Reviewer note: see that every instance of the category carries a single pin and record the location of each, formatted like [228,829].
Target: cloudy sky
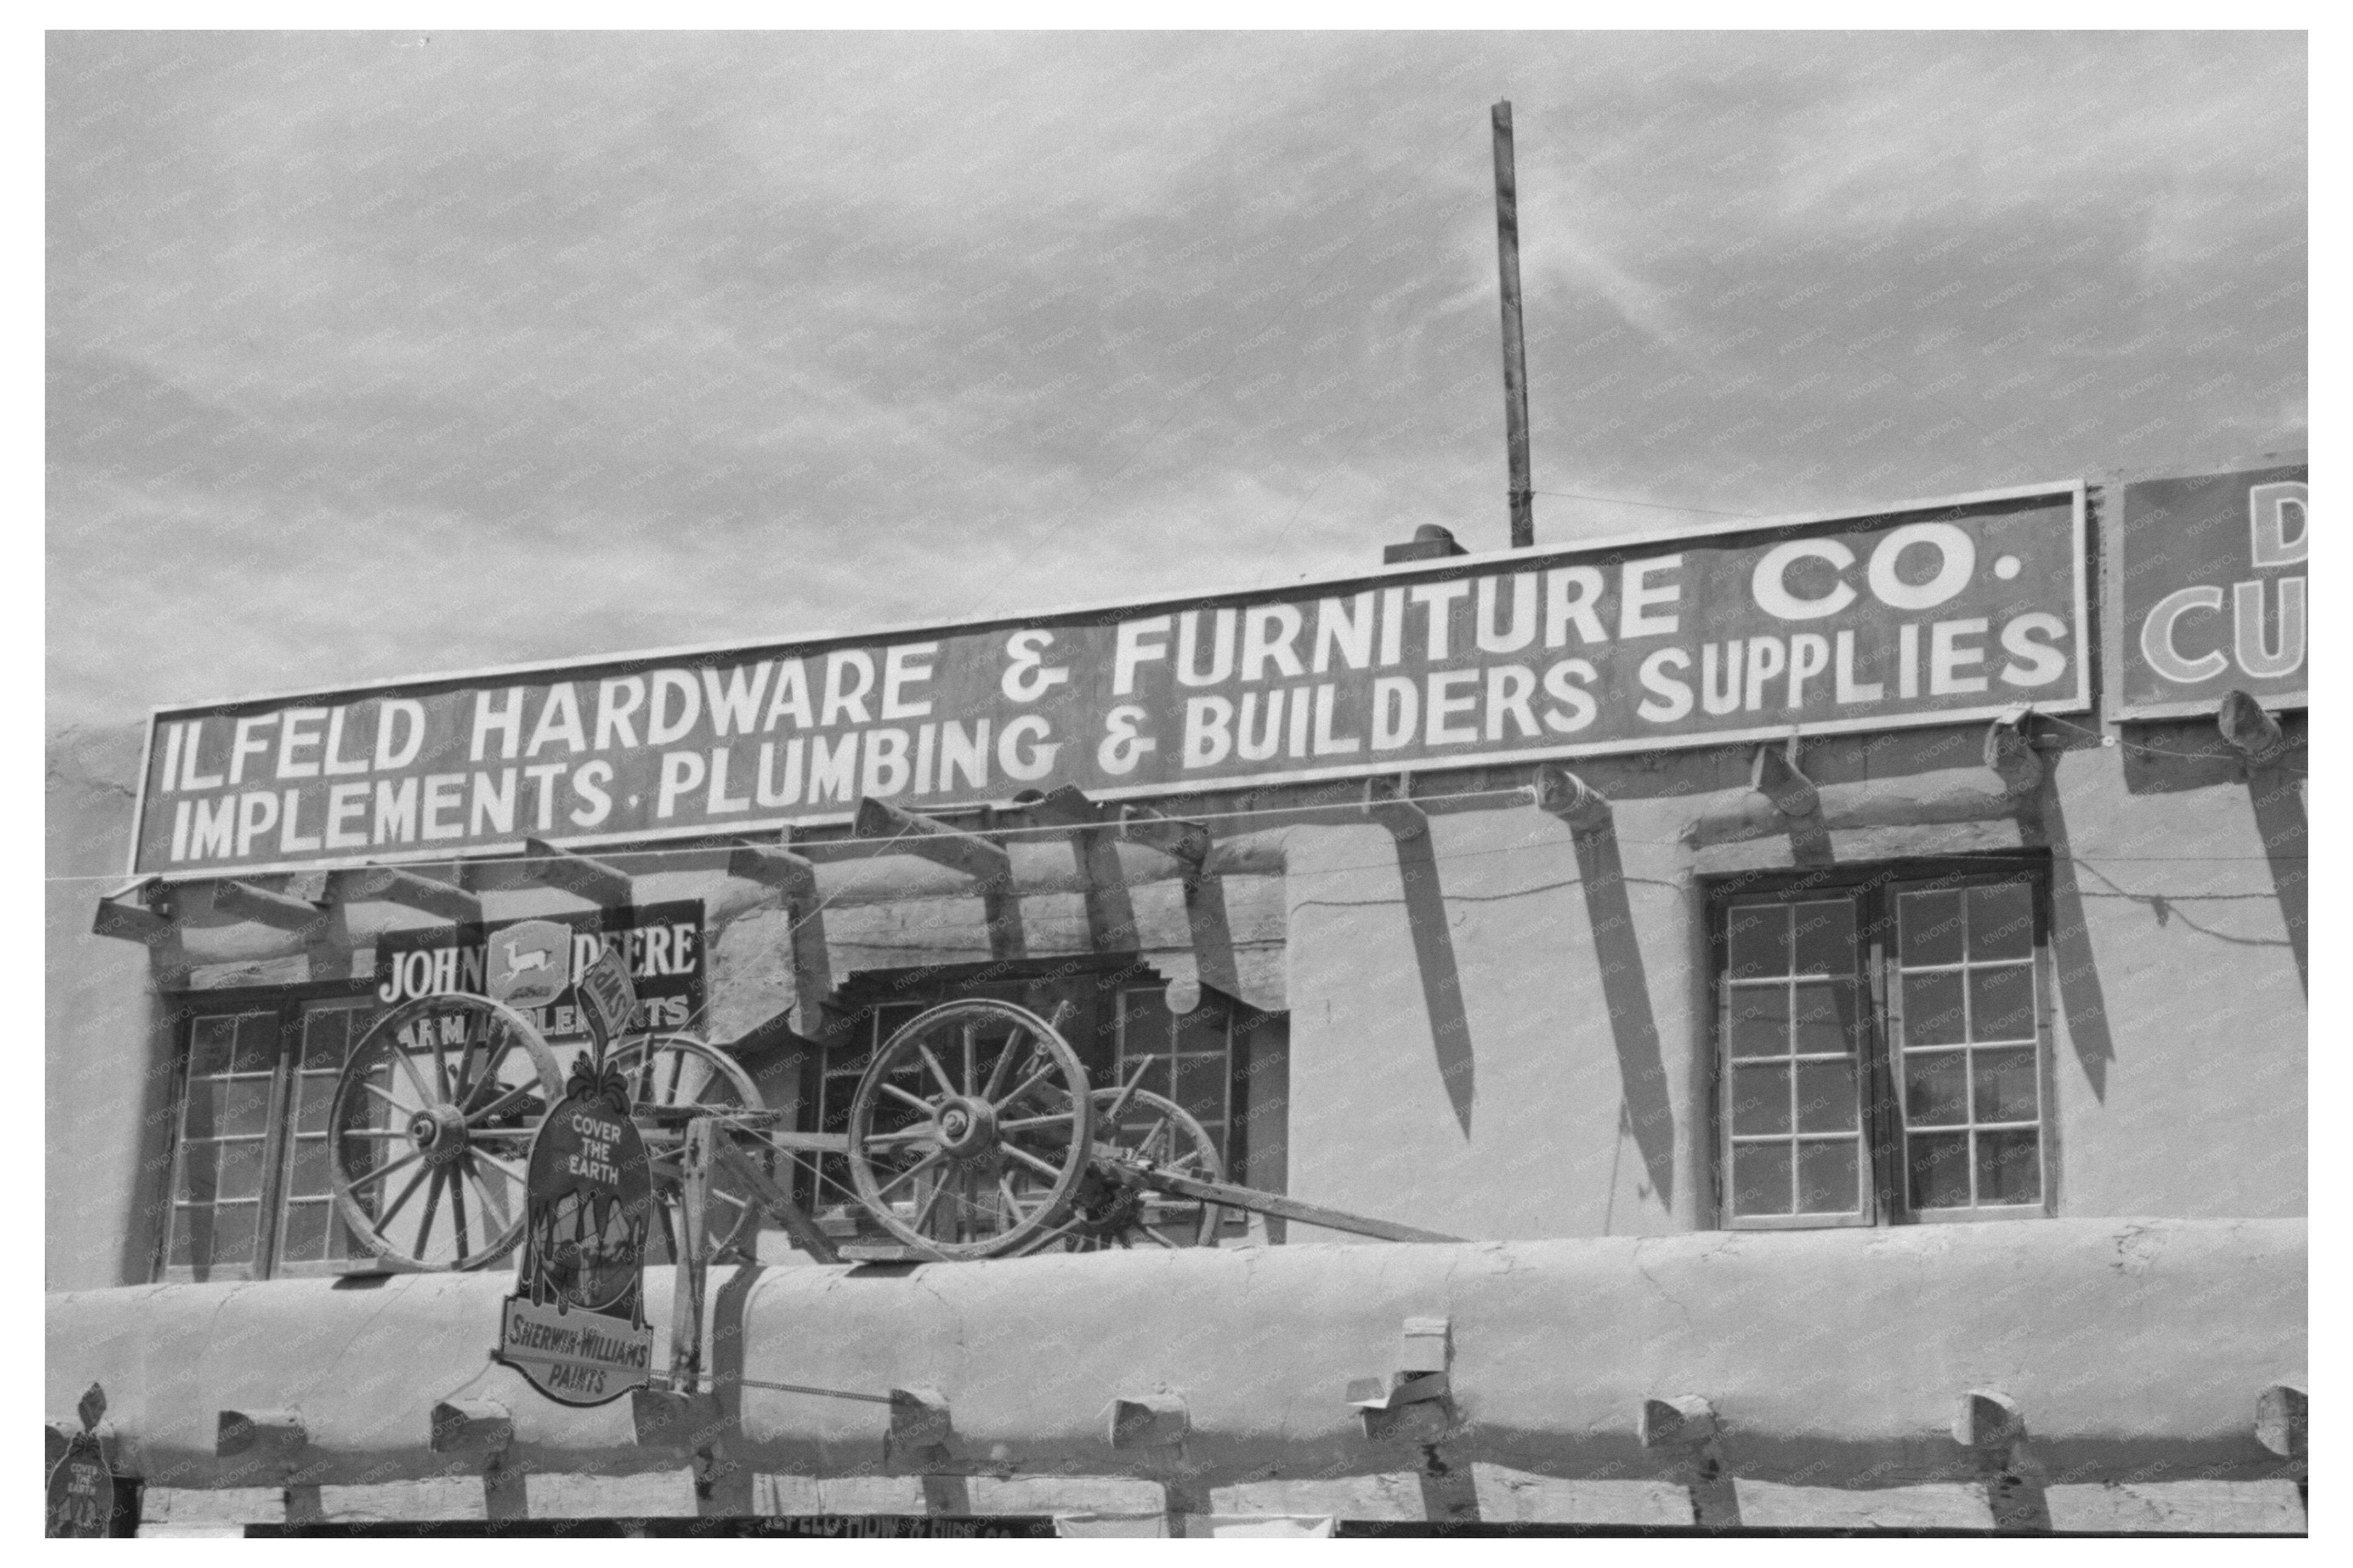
[370,354]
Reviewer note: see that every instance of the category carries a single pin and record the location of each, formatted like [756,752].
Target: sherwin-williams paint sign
[1929,614]
[2210,592]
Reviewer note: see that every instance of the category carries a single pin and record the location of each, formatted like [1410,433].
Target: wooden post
[693,1256]
[1515,351]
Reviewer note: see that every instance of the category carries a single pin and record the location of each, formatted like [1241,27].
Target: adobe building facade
[1836,975]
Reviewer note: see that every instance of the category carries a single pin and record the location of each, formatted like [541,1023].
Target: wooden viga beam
[1562,794]
[390,885]
[2247,729]
[141,912]
[246,902]
[775,866]
[1776,776]
[1180,840]
[553,867]
[894,829]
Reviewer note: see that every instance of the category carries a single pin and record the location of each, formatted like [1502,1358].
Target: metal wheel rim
[458,1099]
[1176,1140]
[637,1054]
[1017,1081]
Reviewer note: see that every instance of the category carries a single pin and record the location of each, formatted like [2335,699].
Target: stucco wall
[1831,1358]
[1498,1029]
[105,1070]
[1500,1033]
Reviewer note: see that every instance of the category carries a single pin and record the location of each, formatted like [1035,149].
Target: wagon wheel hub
[966,1127]
[440,1133]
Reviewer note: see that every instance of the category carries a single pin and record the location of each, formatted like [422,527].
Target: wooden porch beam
[1178,839]
[906,832]
[774,866]
[246,902]
[554,867]
[390,885]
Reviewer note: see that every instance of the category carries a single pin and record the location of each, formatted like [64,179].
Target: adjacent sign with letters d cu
[2208,591]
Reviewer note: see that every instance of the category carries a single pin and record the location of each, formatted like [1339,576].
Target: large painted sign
[2206,578]
[546,980]
[1935,612]
[576,1326]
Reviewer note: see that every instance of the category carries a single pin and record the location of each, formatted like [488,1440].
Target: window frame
[288,1005]
[1103,987]
[1873,892]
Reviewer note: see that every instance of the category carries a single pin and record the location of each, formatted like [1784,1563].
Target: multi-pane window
[1186,1058]
[308,1229]
[227,1114]
[251,1193]
[1968,1038]
[1795,1104]
[1882,1049]
[1119,1024]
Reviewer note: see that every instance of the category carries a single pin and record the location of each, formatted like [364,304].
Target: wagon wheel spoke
[1005,1062]
[482,1156]
[387,1168]
[933,1158]
[377,1134]
[424,1094]
[939,1073]
[1032,1081]
[514,1096]
[432,1027]
[1016,1152]
[385,1095]
[466,1041]
[432,1202]
[1028,1123]
[923,1105]
[385,1219]
[1012,1204]
[971,1056]
[1110,1114]
[456,1182]
[930,1201]
[488,1083]
[906,1135]
[494,1211]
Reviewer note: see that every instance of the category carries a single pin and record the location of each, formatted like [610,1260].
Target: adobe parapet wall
[2133,1349]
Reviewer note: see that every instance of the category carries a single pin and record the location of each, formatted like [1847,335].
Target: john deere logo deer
[576,1326]
[530,964]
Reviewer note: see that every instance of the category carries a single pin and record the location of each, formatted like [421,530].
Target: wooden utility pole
[1515,351]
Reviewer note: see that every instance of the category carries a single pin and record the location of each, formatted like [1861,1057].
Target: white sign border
[2075,491]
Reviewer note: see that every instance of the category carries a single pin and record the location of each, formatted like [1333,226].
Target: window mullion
[1882,1029]
[276,1152]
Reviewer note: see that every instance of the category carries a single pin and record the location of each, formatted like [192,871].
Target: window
[1222,1062]
[1882,1048]
[251,1195]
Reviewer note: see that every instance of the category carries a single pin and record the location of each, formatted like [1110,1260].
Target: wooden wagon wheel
[439,1103]
[669,1075]
[1138,1129]
[971,1130]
